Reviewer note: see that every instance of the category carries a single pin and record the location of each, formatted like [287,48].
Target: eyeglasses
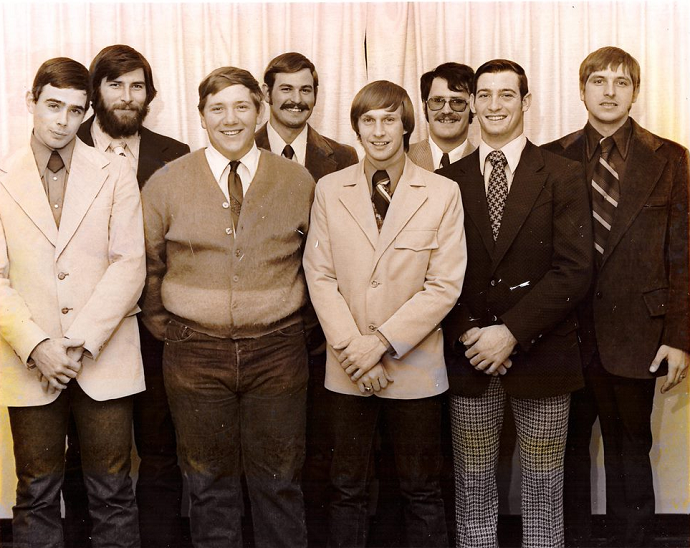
[437,103]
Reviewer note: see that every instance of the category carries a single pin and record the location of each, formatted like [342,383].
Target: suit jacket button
[599,294]
[494,318]
[374,283]
[65,310]
[372,327]
[62,276]
[493,283]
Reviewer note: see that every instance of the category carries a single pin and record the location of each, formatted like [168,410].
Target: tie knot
[606,146]
[234,165]
[288,152]
[379,176]
[445,159]
[55,162]
[497,158]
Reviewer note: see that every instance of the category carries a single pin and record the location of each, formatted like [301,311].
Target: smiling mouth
[496,117]
[379,143]
[231,132]
[447,120]
[608,104]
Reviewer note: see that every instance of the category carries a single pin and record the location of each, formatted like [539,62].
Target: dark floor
[673,531]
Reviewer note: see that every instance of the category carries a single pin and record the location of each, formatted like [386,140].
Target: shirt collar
[299,145]
[454,155]
[512,152]
[42,154]
[102,141]
[394,170]
[217,162]
[621,139]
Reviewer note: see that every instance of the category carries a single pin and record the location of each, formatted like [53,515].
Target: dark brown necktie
[445,160]
[55,163]
[235,192]
[288,152]
[380,195]
[605,196]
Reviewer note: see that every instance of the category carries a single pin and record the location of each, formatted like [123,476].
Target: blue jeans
[105,431]
[414,427]
[239,405]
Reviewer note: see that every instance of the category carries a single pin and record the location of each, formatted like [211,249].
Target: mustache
[446,116]
[291,104]
[124,106]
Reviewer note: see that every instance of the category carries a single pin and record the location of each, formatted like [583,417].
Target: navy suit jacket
[639,297]
[530,279]
[155,150]
[323,156]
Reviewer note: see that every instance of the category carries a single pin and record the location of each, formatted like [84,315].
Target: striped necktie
[605,196]
[380,195]
[498,190]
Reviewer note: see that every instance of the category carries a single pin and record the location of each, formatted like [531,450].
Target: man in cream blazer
[382,276]
[72,267]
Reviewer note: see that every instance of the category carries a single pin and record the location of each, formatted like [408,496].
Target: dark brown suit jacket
[639,297]
[530,280]
[155,150]
[323,156]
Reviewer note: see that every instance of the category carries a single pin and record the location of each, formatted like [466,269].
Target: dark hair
[459,77]
[386,95]
[62,72]
[504,65]
[114,61]
[224,77]
[290,62]
[613,57]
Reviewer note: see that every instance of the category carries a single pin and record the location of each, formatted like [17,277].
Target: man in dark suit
[634,323]
[512,335]
[290,87]
[446,94]
[123,88]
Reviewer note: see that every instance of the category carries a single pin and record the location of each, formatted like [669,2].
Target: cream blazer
[81,281]
[402,281]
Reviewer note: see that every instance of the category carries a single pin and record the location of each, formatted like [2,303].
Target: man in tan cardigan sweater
[225,228]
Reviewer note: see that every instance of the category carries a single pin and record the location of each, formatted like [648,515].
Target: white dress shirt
[105,143]
[220,167]
[299,145]
[454,155]
[512,152]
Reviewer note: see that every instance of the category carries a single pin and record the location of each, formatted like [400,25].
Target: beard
[118,127]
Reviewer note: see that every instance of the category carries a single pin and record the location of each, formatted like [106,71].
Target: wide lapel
[409,195]
[528,182]
[473,194]
[261,138]
[356,198]
[319,158]
[150,156]
[23,183]
[641,176]
[86,177]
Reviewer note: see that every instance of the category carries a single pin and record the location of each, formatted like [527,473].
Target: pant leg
[38,435]
[577,486]
[353,423]
[625,409]
[105,436]
[542,428]
[159,483]
[476,430]
[200,375]
[415,428]
[77,522]
[273,389]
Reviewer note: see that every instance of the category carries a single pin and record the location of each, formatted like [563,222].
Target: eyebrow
[62,103]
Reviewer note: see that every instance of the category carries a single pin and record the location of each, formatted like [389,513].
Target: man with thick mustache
[290,88]
[446,94]
[122,82]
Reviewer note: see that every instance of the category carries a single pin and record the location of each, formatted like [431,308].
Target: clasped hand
[58,361]
[489,348]
[360,357]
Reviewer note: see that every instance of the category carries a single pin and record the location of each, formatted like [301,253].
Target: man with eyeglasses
[446,94]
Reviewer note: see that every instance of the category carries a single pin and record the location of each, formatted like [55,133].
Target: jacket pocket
[656,300]
[417,240]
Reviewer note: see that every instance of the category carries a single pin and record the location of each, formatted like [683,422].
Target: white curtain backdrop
[352,44]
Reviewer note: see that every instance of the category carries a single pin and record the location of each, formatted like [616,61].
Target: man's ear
[526,102]
[267,93]
[30,102]
[473,110]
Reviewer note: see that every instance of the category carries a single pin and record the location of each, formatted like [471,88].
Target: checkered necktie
[605,195]
[288,152]
[381,195]
[498,190]
[235,192]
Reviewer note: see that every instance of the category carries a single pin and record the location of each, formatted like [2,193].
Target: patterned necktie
[55,162]
[605,196]
[498,190]
[380,196]
[119,148]
[235,192]
[445,160]
[288,152]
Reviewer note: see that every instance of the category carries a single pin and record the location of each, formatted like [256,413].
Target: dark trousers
[624,407]
[105,430]
[414,427]
[239,406]
[159,483]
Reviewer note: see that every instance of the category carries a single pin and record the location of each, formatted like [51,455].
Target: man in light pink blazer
[382,275]
[72,267]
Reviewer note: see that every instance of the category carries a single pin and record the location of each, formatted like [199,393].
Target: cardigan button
[228,231]
[235,278]
[226,205]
